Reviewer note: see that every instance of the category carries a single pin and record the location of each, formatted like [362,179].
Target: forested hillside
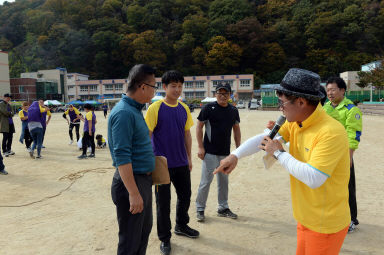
[106,38]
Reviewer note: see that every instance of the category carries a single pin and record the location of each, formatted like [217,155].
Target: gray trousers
[210,163]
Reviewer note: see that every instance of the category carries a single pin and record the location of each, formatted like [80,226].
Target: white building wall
[192,85]
[351,78]
[4,74]
[71,84]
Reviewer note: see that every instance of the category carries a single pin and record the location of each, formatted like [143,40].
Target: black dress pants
[352,195]
[181,179]
[77,128]
[27,138]
[7,139]
[134,229]
[88,140]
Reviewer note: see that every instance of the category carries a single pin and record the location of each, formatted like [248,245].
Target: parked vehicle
[240,105]
[254,104]
[191,107]
[61,109]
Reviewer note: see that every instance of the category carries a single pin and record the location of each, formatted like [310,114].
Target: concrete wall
[4,74]
[351,78]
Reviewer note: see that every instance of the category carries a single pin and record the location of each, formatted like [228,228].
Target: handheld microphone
[280,121]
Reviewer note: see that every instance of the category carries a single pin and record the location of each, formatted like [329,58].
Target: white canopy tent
[52,102]
[209,100]
[157,98]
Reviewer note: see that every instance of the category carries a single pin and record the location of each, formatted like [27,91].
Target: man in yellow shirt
[25,135]
[74,122]
[89,132]
[318,163]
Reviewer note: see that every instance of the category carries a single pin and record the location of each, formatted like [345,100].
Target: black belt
[148,173]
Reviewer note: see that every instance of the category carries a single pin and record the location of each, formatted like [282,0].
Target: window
[92,97]
[215,83]
[84,88]
[158,84]
[108,86]
[200,94]
[83,97]
[118,86]
[245,83]
[188,84]
[93,87]
[189,94]
[21,89]
[199,84]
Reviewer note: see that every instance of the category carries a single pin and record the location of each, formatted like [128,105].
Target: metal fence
[270,99]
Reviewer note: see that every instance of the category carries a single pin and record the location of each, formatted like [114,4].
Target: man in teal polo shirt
[132,155]
[351,118]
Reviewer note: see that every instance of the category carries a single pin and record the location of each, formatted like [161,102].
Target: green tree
[223,57]
[197,26]
[375,77]
[147,49]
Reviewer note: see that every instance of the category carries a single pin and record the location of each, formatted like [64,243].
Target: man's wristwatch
[277,153]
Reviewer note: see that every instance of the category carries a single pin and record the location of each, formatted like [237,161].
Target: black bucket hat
[301,83]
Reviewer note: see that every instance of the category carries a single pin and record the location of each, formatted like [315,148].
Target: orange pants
[313,243]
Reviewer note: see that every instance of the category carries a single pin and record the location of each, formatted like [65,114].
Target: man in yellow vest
[350,117]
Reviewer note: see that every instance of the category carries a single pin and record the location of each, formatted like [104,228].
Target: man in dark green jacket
[351,118]
[6,125]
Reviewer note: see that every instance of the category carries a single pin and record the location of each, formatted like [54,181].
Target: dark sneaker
[39,157]
[43,147]
[3,172]
[200,216]
[165,248]
[226,213]
[91,155]
[31,154]
[82,156]
[186,231]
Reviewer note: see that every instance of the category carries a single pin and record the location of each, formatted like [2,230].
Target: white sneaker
[70,142]
[6,154]
[352,227]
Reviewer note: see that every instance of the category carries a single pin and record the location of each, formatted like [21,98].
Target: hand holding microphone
[277,125]
[268,143]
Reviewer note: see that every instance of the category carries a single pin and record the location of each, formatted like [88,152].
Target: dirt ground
[62,205]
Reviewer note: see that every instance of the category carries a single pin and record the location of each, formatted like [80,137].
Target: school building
[195,87]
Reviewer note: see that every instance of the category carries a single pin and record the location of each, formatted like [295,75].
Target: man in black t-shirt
[219,118]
